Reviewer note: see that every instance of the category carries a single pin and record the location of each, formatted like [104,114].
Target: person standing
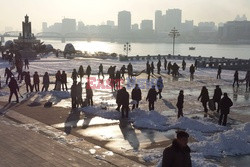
[225,105]
[46,82]
[196,64]
[159,67]
[130,70]
[89,94]
[236,78]
[219,72]
[36,81]
[13,88]
[7,74]
[136,96]
[180,104]
[125,103]
[148,70]
[58,82]
[100,71]
[88,71]
[73,94]
[192,70]
[169,67]
[178,154]
[74,75]
[81,72]
[165,63]
[79,100]
[26,63]
[64,81]
[204,99]
[183,65]
[151,98]
[119,99]
[123,68]
[160,86]
[152,67]
[28,82]
[217,96]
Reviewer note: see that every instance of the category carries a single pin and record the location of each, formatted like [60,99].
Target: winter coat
[88,70]
[159,64]
[46,79]
[58,77]
[217,95]
[27,78]
[125,98]
[74,75]
[136,94]
[89,92]
[81,71]
[175,156]
[119,97]
[204,96]
[8,72]
[36,79]
[236,76]
[180,101]
[73,91]
[64,78]
[13,85]
[79,90]
[160,83]
[225,105]
[152,95]
[192,69]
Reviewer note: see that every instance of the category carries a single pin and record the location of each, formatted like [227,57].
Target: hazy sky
[99,11]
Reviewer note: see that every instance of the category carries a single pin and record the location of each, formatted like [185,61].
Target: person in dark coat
[88,70]
[100,71]
[89,94]
[152,67]
[236,78]
[125,102]
[119,99]
[192,70]
[148,70]
[180,104]
[73,94]
[160,86]
[165,63]
[74,75]
[58,81]
[159,67]
[169,67]
[7,74]
[178,154]
[81,72]
[46,82]
[219,72]
[26,63]
[136,96]
[28,82]
[183,65]
[217,96]
[151,98]
[225,105]
[36,81]
[64,81]
[196,64]
[204,98]
[130,70]
[13,88]
[117,80]
[79,100]
[123,68]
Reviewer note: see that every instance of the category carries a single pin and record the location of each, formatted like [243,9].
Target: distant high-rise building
[188,26]
[68,25]
[172,19]
[124,22]
[206,27]
[80,26]
[110,23]
[158,21]
[147,25]
[135,27]
[44,26]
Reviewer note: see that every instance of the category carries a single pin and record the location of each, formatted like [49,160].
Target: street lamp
[127,48]
[174,34]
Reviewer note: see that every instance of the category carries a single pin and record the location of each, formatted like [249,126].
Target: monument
[27,42]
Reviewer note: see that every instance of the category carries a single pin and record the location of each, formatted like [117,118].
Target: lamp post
[127,48]
[174,34]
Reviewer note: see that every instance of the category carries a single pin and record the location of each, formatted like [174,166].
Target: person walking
[123,68]
[13,88]
[192,70]
[100,71]
[136,96]
[225,105]
[73,94]
[169,67]
[36,81]
[165,63]
[88,71]
[160,86]
[89,94]
[236,78]
[8,74]
[81,72]
[217,96]
[148,70]
[130,70]
[204,96]
[28,82]
[64,81]
[125,102]
[159,67]
[178,154]
[151,98]
[219,72]
[46,82]
[180,104]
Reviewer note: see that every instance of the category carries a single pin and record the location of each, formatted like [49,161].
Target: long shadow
[150,135]
[168,104]
[129,133]
[71,121]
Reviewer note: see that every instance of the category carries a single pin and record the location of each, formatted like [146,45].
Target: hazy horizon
[96,12]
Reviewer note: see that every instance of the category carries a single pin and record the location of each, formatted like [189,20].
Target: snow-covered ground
[210,138]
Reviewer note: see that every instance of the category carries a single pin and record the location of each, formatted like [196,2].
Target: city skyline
[94,13]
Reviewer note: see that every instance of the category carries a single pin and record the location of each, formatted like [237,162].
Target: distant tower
[158,21]
[26,28]
[124,22]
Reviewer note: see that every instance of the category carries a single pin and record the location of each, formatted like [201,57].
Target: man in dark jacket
[152,67]
[159,67]
[64,81]
[88,70]
[151,98]
[204,96]
[192,70]
[36,81]
[89,94]
[183,65]
[236,78]
[225,105]
[180,104]
[73,94]
[165,63]
[119,99]
[178,154]
[100,71]
[148,69]
[169,67]
[219,72]
[46,81]
[217,96]
[13,88]
[26,63]
[136,96]
[8,74]
[28,82]
[125,102]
